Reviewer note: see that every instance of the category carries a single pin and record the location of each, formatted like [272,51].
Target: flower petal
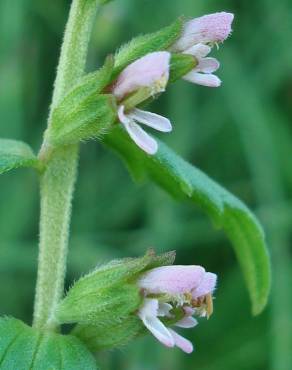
[137,134]
[189,311]
[144,72]
[159,331]
[181,342]
[208,80]
[198,50]
[207,285]
[149,308]
[208,28]
[187,322]
[150,119]
[148,314]
[207,65]
[163,309]
[172,279]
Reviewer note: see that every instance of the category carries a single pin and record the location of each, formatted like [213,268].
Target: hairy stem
[58,179]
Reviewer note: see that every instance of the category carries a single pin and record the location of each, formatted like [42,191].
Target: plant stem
[58,179]
[57,185]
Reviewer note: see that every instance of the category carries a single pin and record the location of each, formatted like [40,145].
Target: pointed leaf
[186,182]
[14,154]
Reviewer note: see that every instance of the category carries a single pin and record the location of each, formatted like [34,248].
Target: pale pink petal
[207,285]
[187,322]
[182,342]
[148,314]
[172,279]
[198,50]
[189,311]
[203,79]
[150,308]
[137,134]
[159,331]
[209,28]
[150,119]
[207,65]
[164,309]
[144,72]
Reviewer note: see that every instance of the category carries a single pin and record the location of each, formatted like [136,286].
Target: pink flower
[151,72]
[199,34]
[210,28]
[184,289]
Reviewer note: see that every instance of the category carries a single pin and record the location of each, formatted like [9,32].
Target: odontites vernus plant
[127,298]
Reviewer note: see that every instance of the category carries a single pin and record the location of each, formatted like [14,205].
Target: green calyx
[108,294]
[86,111]
[104,303]
[180,65]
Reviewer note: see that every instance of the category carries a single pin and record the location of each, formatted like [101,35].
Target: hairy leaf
[14,154]
[24,348]
[88,119]
[184,181]
[145,44]
[84,113]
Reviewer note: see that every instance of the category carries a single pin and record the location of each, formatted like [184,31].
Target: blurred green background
[239,134]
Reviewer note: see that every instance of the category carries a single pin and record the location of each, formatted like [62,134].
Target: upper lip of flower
[152,70]
[210,28]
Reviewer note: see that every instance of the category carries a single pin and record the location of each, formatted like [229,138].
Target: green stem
[58,179]
[57,185]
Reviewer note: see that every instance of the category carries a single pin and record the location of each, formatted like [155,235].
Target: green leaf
[24,348]
[145,44]
[91,83]
[14,154]
[180,65]
[88,119]
[186,182]
[84,113]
